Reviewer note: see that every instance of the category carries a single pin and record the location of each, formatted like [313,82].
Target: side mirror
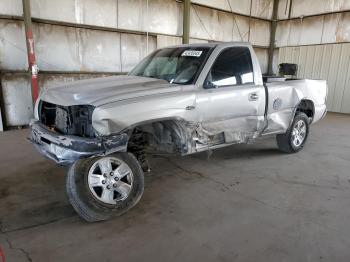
[209,85]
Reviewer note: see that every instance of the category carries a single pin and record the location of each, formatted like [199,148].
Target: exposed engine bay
[67,120]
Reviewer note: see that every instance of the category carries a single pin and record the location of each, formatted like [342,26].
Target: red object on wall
[33,67]
[2,255]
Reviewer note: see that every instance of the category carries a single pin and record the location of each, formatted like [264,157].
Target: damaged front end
[65,134]
[67,149]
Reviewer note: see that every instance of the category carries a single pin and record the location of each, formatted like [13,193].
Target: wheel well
[166,136]
[307,107]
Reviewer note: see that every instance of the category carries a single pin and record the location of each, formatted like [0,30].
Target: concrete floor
[246,203]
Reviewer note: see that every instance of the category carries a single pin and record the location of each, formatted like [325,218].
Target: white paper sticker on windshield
[194,53]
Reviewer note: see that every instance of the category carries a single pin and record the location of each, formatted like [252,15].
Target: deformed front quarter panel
[120,116]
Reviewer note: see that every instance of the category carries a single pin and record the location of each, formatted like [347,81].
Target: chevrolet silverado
[178,100]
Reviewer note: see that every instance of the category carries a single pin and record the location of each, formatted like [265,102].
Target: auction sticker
[194,53]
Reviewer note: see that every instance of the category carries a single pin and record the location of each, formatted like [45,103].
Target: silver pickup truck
[179,100]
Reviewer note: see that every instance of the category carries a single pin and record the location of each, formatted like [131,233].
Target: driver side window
[232,67]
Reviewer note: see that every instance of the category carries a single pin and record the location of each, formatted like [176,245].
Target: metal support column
[1,125]
[186,21]
[33,68]
[272,36]
[2,107]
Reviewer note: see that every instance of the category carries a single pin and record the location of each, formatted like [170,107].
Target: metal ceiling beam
[186,21]
[272,36]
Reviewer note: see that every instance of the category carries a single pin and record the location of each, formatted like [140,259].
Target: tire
[286,142]
[85,180]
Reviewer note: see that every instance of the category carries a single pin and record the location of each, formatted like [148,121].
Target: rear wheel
[295,137]
[100,188]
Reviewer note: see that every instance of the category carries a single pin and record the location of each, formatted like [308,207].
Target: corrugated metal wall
[330,62]
[77,39]
[316,39]
[310,7]
[324,29]
[254,8]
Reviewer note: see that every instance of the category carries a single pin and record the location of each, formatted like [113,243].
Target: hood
[100,91]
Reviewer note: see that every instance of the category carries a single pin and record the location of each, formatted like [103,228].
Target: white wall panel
[89,50]
[62,10]
[329,62]
[283,9]
[13,52]
[325,64]
[282,33]
[134,49]
[342,74]
[294,32]
[202,22]
[309,62]
[99,50]
[302,61]
[262,8]
[333,28]
[240,28]
[259,8]
[162,17]
[343,32]
[217,25]
[61,48]
[130,14]
[311,7]
[197,41]
[311,30]
[57,47]
[163,41]
[345,104]
[317,63]
[333,74]
[11,7]
[17,99]
[237,6]
[259,32]
[262,55]
[100,13]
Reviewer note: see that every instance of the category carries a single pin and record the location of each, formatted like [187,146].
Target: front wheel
[102,187]
[295,137]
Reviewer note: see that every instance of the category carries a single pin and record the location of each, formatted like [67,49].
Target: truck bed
[285,96]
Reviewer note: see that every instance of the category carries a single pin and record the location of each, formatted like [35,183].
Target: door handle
[190,107]
[253,96]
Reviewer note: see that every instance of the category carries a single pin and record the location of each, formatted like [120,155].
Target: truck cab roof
[214,44]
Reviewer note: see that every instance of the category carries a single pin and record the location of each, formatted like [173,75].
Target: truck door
[231,105]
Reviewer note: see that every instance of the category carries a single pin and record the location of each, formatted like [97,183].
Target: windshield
[176,65]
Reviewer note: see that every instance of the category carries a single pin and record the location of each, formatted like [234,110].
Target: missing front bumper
[67,149]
